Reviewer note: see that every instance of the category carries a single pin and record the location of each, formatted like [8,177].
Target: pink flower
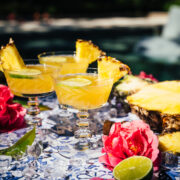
[5,94]
[129,139]
[143,75]
[11,114]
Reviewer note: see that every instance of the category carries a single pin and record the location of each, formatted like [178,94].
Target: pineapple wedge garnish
[10,57]
[109,67]
[87,51]
[170,142]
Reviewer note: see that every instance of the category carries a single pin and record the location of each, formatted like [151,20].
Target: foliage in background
[30,8]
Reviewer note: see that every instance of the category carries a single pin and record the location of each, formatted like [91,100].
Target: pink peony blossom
[5,94]
[11,114]
[129,139]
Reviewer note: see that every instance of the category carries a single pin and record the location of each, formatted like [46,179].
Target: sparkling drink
[31,83]
[83,91]
[67,61]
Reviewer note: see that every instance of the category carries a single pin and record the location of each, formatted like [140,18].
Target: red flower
[5,94]
[143,75]
[11,114]
[129,139]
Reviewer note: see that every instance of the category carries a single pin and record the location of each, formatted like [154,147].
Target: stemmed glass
[67,60]
[83,91]
[68,63]
[32,82]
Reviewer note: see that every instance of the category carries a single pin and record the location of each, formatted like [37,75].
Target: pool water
[116,42]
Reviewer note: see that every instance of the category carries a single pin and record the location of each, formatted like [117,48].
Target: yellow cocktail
[83,91]
[67,61]
[32,81]
[35,80]
[90,90]
[27,78]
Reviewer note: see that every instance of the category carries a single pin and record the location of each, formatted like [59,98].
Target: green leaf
[20,146]
[24,104]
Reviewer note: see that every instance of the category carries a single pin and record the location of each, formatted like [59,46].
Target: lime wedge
[134,168]
[25,73]
[54,59]
[20,146]
[76,82]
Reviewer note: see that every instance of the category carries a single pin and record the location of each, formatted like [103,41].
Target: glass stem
[83,121]
[64,112]
[33,110]
[83,132]
[63,107]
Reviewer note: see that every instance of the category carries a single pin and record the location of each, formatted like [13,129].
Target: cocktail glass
[67,60]
[69,64]
[83,91]
[32,82]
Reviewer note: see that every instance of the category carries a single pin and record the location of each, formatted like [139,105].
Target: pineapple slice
[10,57]
[170,142]
[163,97]
[109,67]
[86,50]
[130,84]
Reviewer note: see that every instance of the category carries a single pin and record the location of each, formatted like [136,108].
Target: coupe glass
[68,63]
[36,81]
[83,91]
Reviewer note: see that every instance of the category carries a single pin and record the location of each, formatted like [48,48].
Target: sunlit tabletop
[49,156]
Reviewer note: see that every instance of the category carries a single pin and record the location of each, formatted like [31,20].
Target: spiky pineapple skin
[120,94]
[153,118]
[159,122]
[162,112]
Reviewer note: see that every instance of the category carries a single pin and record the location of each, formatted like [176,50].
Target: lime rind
[25,73]
[75,82]
[134,168]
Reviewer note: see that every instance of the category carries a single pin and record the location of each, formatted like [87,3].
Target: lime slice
[25,73]
[76,82]
[134,168]
[54,59]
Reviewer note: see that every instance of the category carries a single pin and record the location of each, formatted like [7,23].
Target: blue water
[116,42]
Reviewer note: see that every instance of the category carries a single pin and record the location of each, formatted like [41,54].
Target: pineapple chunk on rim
[109,67]
[10,57]
[87,51]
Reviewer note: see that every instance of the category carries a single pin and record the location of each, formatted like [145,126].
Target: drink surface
[83,91]
[34,84]
[67,63]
